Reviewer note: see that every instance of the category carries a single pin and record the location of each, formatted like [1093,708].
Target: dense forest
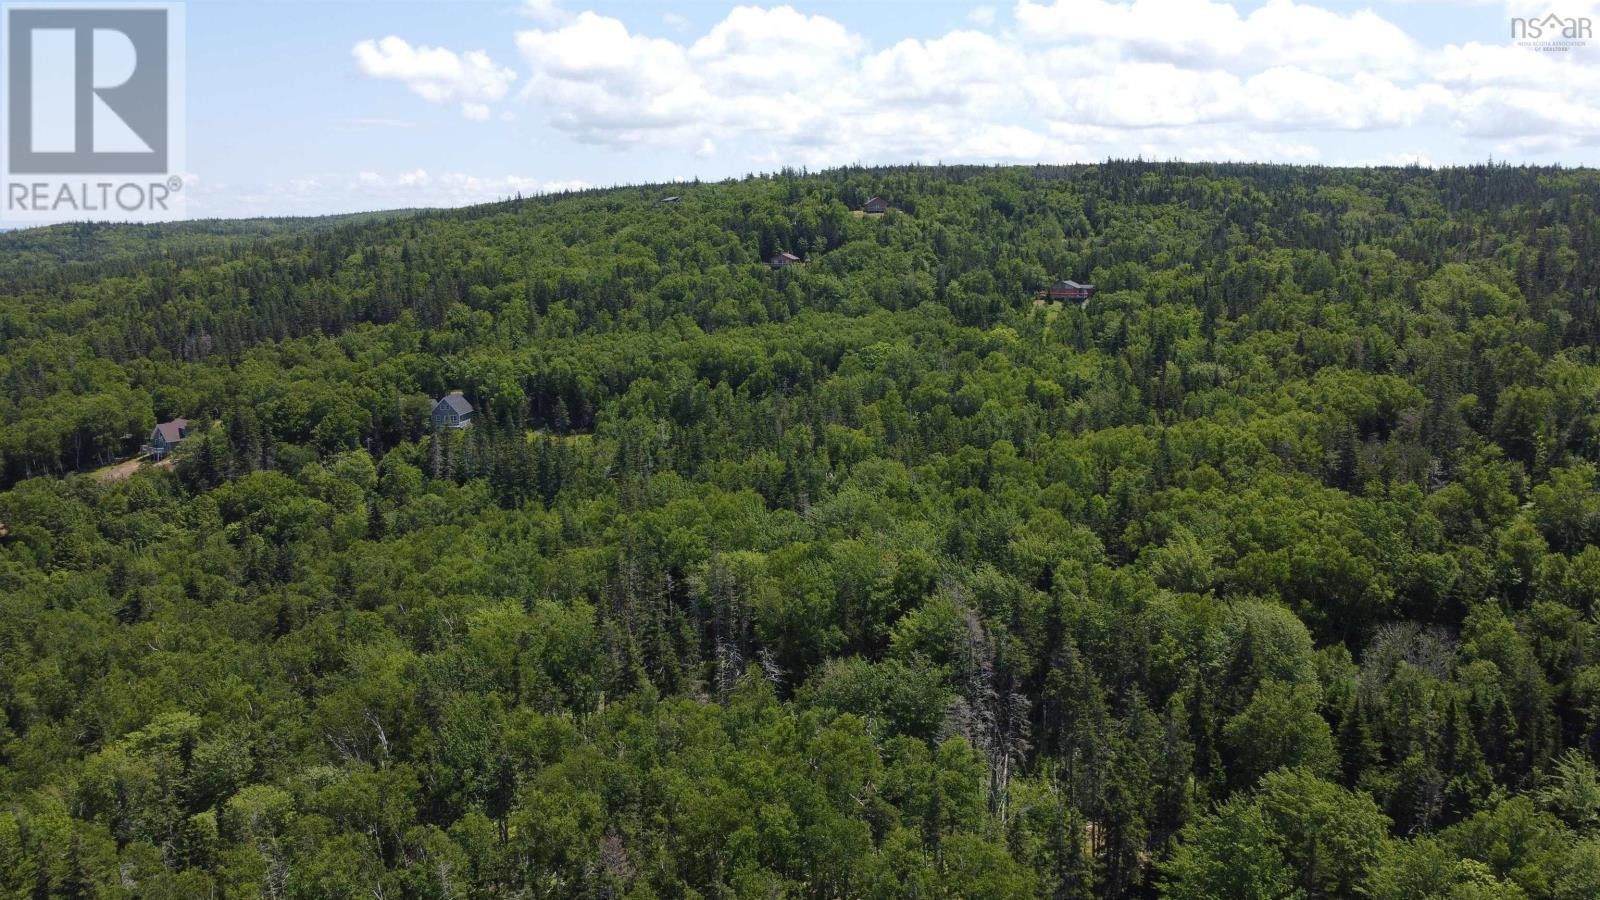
[1269,573]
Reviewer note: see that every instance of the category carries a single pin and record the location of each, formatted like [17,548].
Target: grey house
[453,411]
[167,436]
[876,206]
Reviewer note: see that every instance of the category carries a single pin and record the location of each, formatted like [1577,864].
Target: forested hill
[1269,573]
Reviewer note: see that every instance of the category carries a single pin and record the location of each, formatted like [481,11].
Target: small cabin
[783,259]
[875,206]
[166,437]
[452,411]
[673,199]
[1068,290]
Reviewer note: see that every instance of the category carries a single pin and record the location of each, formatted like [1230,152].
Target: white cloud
[1202,34]
[1564,8]
[437,74]
[775,48]
[1006,142]
[804,84]
[961,68]
[547,11]
[1522,112]
[1143,95]
[1475,65]
[603,83]
[807,90]
[1287,98]
[1530,102]
[1073,79]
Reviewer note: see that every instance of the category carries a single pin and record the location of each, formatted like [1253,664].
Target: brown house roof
[172,432]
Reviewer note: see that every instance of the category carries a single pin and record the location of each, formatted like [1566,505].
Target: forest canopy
[1268,572]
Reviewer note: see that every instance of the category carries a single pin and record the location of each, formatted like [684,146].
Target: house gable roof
[457,403]
[172,432]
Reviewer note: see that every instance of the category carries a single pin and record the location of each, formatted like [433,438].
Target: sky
[330,106]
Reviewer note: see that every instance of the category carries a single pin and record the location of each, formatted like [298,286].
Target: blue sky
[320,107]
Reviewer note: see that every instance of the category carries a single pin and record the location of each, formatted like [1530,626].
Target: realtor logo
[88,91]
[93,108]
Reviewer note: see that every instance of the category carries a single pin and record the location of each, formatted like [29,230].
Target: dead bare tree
[991,713]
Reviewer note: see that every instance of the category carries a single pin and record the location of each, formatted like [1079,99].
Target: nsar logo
[1552,33]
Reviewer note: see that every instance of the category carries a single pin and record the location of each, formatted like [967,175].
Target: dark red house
[1067,290]
[781,259]
[876,206]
